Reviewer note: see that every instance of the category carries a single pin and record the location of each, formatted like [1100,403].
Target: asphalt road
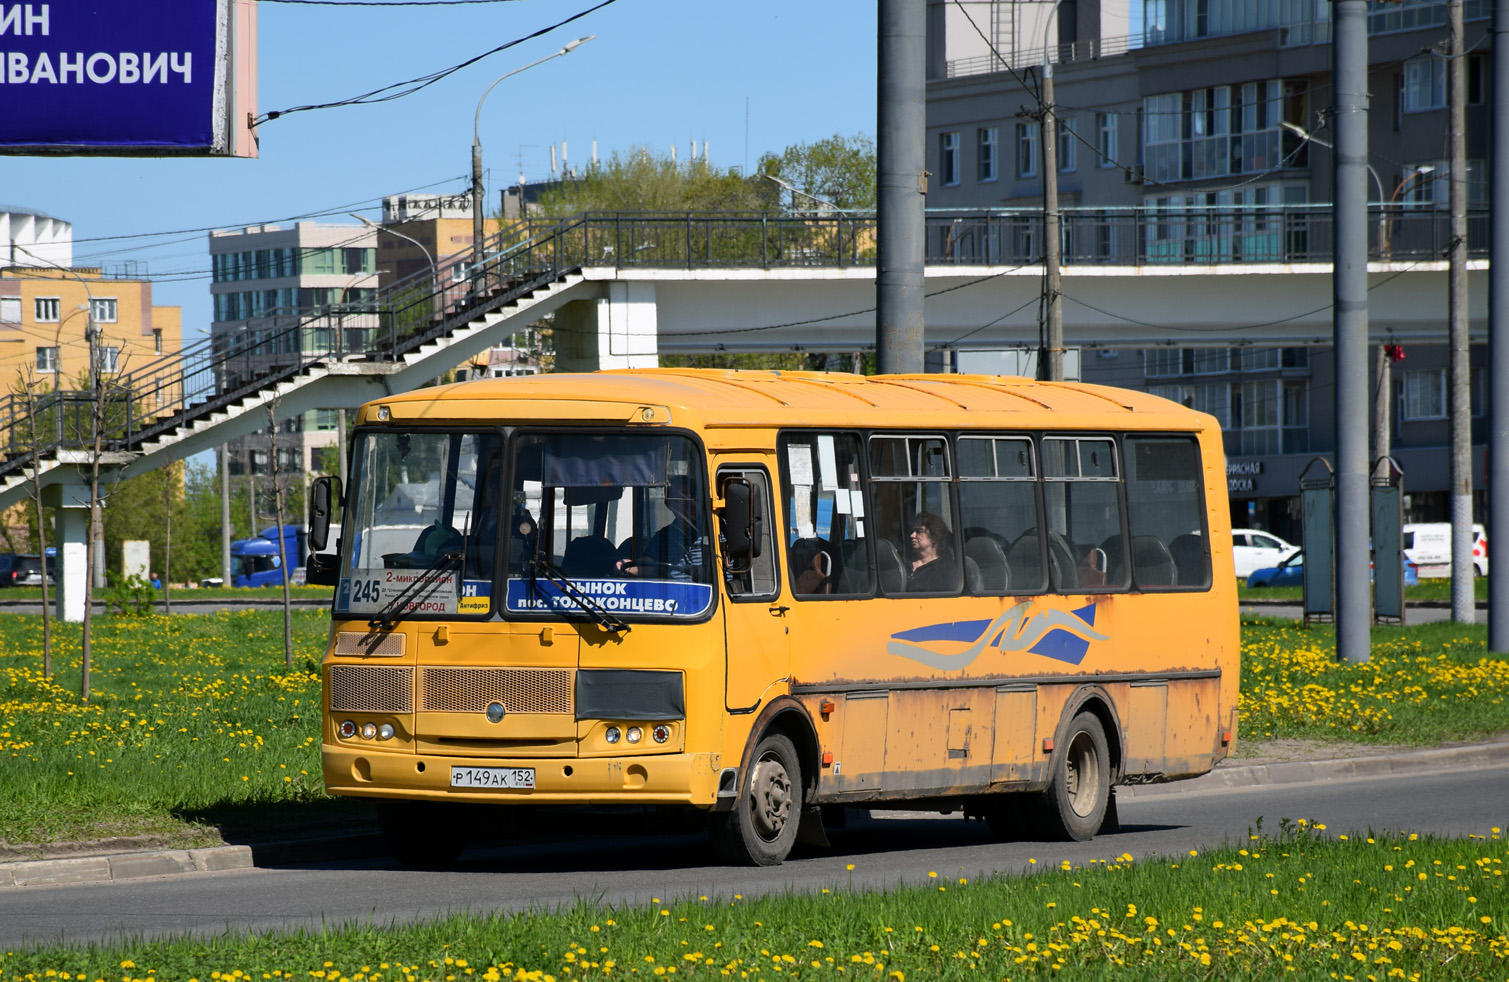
[544,873]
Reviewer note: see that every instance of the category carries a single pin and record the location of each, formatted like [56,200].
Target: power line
[398,90]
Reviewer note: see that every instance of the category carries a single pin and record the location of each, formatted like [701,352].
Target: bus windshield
[622,518]
[416,528]
[594,522]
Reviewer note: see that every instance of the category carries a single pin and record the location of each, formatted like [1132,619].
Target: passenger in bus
[933,566]
[676,551]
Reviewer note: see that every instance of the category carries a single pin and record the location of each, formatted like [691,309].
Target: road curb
[122,866]
[1331,769]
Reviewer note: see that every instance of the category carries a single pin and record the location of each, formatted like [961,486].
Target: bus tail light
[661,733]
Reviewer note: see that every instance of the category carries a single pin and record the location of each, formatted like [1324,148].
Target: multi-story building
[270,279]
[1194,131]
[47,305]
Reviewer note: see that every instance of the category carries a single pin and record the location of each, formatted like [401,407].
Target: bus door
[755,622]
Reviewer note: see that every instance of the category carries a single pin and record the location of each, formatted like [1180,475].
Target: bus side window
[997,509]
[760,580]
[1082,498]
[914,522]
[827,549]
[1170,543]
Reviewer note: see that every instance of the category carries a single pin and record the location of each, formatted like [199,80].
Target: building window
[1026,149]
[1068,145]
[1424,84]
[1296,417]
[110,359]
[47,360]
[157,340]
[988,160]
[10,310]
[1106,140]
[1425,394]
[1260,418]
[1163,362]
[47,309]
[1261,359]
[948,159]
[1212,361]
[104,310]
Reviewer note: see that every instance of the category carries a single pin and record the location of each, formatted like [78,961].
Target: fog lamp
[635,734]
[495,712]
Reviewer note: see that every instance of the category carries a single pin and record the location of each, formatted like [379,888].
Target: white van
[1428,546]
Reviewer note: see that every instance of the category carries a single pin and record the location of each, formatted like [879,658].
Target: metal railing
[1060,54]
[143,402]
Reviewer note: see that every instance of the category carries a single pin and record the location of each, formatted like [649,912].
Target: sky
[658,73]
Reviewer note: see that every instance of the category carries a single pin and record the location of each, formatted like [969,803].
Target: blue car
[1291,572]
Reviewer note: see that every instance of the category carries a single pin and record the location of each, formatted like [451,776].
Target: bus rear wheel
[761,828]
[1074,804]
[422,833]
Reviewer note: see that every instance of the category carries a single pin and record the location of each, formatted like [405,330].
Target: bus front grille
[368,689]
[520,690]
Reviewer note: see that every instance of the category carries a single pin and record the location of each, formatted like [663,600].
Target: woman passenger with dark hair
[933,567]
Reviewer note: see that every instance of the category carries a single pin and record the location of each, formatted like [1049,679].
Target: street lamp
[429,256]
[1420,170]
[1309,137]
[477,144]
[1384,218]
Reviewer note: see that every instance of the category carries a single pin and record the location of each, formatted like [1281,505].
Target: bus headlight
[369,731]
[612,735]
[635,734]
[347,729]
[385,732]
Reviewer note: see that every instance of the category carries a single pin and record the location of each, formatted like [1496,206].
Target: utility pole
[1382,403]
[1050,362]
[1463,602]
[901,189]
[225,514]
[1498,333]
[1349,50]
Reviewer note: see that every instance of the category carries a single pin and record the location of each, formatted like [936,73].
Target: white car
[1254,549]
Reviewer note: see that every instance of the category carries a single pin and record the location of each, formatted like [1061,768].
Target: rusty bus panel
[1147,705]
[1193,741]
[1014,756]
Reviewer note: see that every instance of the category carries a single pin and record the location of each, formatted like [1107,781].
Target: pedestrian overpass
[626,288]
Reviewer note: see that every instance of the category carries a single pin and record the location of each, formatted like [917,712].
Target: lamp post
[428,255]
[477,144]
[1386,234]
[57,343]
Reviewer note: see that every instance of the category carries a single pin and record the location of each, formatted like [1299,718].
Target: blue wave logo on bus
[1064,635]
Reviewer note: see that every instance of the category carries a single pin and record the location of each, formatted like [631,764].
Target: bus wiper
[540,565]
[427,581]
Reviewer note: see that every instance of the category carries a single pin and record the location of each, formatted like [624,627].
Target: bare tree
[97,441]
[29,385]
[277,509]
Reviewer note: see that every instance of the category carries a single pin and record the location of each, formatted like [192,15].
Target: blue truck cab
[254,561]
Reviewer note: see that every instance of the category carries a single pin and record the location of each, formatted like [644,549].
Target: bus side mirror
[321,569]
[742,521]
[323,494]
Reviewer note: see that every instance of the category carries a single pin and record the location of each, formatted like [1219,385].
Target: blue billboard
[105,76]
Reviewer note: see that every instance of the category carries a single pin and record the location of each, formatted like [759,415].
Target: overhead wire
[398,90]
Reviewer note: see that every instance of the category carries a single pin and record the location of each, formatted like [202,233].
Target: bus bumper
[648,779]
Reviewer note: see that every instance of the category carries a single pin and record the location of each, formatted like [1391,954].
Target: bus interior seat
[808,576]
[1152,561]
[591,556]
[990,561]
[854,577]
[1188,553]
[1024,561]
[973,582]
[1061,561]
[892,570]
[1116,561]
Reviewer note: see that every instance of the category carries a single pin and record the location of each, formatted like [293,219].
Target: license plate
[515,778]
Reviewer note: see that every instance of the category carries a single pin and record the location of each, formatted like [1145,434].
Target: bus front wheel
[1074,804]
[761,828]
[422,833]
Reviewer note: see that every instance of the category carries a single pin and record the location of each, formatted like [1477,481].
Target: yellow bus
[761,595]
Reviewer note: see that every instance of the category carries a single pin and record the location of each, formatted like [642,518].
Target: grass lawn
[1432,590]
[33,594]
[1299,902]
[197,732]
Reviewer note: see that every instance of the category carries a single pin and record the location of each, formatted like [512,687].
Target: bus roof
[727,398]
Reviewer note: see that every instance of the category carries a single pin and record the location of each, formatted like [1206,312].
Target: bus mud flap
[811,831]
